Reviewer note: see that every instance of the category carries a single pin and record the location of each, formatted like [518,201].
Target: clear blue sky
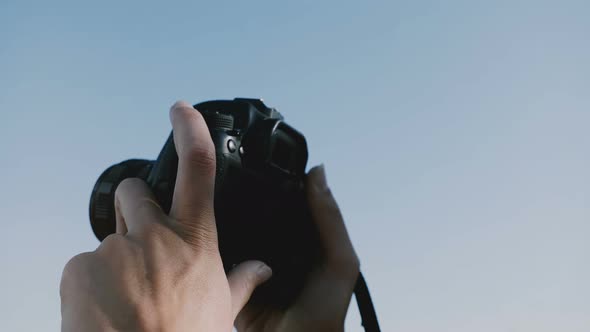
[454,133]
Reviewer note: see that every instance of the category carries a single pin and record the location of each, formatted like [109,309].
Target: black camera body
[261,208]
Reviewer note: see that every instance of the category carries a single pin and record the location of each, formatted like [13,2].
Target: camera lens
[102,206]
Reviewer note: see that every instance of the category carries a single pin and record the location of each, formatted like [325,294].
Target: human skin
[163,272]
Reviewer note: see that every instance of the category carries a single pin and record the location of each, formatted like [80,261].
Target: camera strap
[365,304]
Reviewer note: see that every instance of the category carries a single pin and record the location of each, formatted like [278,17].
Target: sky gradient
[454,134]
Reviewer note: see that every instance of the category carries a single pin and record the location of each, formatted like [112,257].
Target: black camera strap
[365,304]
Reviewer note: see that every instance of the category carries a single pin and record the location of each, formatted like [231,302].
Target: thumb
[243,280]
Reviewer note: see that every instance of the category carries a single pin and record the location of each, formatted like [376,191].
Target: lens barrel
[102,200]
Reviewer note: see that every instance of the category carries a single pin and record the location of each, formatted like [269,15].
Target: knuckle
[76,263]
[127,183]
[145,206]
[202,156]
[205,241]
[74,271]
[248,282]
[112,244]
[199,237]
[156,236]
[112,240]
[133,182]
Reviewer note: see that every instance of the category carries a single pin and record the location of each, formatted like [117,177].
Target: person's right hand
[323,304]
[161,272]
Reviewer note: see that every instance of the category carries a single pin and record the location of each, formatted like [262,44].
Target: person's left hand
[324,300]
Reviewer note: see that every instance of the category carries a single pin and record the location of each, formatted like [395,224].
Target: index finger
[192,202]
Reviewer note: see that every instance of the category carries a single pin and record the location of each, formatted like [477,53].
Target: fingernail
[264,272]
[320,180]
[180,104]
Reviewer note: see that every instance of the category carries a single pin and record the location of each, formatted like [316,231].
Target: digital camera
[261,209]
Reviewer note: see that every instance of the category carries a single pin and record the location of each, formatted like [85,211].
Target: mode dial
[216,120]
